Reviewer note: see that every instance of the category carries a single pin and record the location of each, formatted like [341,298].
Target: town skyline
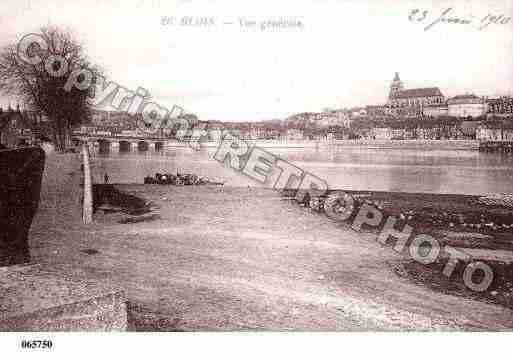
[250,75]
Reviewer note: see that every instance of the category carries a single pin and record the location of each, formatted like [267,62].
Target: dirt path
[245,259]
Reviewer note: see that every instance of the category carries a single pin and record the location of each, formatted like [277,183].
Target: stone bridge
[106,144]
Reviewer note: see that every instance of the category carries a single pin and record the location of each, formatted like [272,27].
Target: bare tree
[41,90]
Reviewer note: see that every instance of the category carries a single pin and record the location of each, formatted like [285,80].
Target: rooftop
[465,97]
[420,92]
[471,98]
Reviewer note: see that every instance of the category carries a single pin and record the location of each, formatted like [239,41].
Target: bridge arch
[104,146]
[124,146]
[142,146]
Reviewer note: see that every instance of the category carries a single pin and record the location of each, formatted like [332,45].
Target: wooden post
[87,214]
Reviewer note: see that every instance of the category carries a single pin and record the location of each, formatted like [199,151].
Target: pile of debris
[180,179]
[498,199]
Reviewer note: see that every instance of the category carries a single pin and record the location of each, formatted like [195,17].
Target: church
[419,97]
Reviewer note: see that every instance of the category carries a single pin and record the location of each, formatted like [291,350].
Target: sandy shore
[215,258]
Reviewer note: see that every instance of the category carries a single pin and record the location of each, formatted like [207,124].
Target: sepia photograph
[311,167]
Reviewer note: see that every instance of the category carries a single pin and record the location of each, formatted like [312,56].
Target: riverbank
[478,227]
[226,258]
[426,212]
[458,145]
[444,213]
[165,200]
[363,143]
[483,231]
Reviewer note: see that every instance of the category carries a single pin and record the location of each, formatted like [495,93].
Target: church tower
[396,87]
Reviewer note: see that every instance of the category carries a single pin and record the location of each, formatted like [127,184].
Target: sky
[345,53]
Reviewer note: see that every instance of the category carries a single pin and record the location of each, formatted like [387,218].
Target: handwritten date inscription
[448,16]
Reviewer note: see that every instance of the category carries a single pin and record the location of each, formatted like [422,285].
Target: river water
[343,167]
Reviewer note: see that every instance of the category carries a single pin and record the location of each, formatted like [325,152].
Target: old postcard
[170,166]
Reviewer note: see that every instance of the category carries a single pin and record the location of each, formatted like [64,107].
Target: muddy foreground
[216,258]
[472,224]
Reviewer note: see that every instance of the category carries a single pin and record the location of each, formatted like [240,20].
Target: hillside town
[408,114]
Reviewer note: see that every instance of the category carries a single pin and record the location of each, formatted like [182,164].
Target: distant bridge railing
[120,137]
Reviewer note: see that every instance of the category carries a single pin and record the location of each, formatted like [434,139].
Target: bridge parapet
[123,143]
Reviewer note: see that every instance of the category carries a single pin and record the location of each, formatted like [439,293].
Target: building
[381,133]
[376,110]
[497,129]
[387,133]
[507,135]
[428,133]
[294,134]
[86,130]
[358,111]
[488,134]
[468,105]
[103,133]
[419,97]
[334,118]
[16,128]
[216,134]
[114,120]
[502,106]
[435,110]
[130,133]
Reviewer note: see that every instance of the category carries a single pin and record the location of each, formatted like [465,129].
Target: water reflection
[435,171]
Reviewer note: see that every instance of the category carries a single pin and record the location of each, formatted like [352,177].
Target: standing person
[106,178]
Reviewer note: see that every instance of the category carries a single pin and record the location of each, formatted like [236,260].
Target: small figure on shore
[106,178]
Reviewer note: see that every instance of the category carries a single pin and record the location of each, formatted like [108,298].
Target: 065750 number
[36,344]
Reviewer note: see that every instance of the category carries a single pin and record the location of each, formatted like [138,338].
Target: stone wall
[21,172]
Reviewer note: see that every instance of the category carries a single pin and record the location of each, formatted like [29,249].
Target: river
[343,167]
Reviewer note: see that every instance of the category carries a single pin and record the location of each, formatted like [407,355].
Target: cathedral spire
[396,87]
